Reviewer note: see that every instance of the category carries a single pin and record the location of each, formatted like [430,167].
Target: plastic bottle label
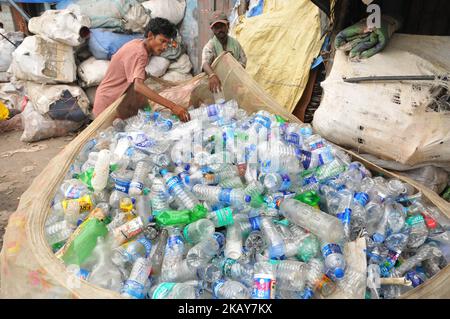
[362,198]
[212,110]
[174,241]
[326,156]
[329,249]
[163,290]
[225,195]
[286,182]
[345,216]
[305,157]
[147,245]
[121,185]
[414,220]
[130,229]
[293,138]
[186,234]
[220,238]
[216,286]
[73,192]
[263,286]
[133,289]
[308,293]
[172,183]
[140,271]
[414,278]
[255,223]
[224,217]
[310,180]
[227,266]
[137,185]
[263,120]
[389,263]
[143,142]
[316,145]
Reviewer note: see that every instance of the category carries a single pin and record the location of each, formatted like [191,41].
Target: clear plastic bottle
[290,275]
[324,226]
[280,182]
[134,286]
[173,254]
[176,189]
[202,253]
[234,241]
[59,232]
[101,171]
[142,207]
[344,210]
[230,289]
[129,252]
[72,212]
[418,231]
[425,252]
[381,229]
[137,183]
[195,232]
[334,260]
[234,197]
[273,238]
[314,275]
[158,253]
[172,290]
[158,196]
[221,217]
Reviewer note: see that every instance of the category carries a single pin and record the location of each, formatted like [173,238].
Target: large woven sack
[172,10]
[393,120]
[28,267]
[92,71]
[103,43]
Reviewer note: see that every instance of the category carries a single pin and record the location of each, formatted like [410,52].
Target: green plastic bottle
[83,241]
[310,197]
[86,177]
[173,217]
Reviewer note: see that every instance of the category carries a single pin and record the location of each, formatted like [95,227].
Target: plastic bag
[182,65]
[92,71]
[38,127]
[434,178]
[104,43]
[157,66]
[64,26]
[43,61]
[172,10]
[7,48]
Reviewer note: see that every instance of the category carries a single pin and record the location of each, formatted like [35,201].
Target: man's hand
[181,112]
[214,84]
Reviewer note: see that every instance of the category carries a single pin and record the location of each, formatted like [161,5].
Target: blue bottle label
[263,286]
[142,141]
[304,157]
[286,182]
[254,222]
[147,245]
[227,265]
[326,156]
[293,138]
[133,289]
[220,238]
[173,182]
[316,145]
[174,241]
[307,294]
[329,249]
[345,216]
[362,198]
[216,286]
[310,180]
[263,120]
[225,195]
[212,110]
[122,185]
[137,185]
[414,277]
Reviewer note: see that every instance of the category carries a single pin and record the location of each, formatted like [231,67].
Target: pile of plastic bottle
[232,205]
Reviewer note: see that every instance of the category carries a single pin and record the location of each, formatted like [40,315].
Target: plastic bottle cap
[339,273]
[146,191]
[187,179]
[163,172]
[378,238]
[248,199]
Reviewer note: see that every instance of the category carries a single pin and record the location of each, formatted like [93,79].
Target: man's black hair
[161,26]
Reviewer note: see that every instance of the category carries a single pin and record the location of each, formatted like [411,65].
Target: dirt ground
[20,163]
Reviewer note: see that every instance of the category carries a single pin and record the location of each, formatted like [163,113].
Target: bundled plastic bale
[172,10]
[59,102]
[11,94]
[37,127]
[104,43]
[7,48]
[64,26]
[118,15]
[43,61]
[92,71]
[182,65]
[157,66]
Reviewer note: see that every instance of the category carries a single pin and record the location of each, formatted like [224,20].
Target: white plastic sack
[182,65]
[117,15]
[92,71]
[7,48]
[157,66]
[44,96]
[38,127]
[172,10]
[64,26]
[43,61]
[434,178]
[390,119]
[175,76]
[11,95]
